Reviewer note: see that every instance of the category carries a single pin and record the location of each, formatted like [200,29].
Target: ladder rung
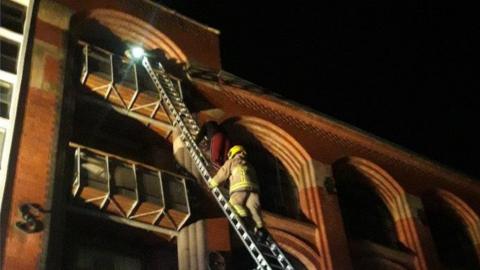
[266,254]
[276,266]
[260,258]
[262,248]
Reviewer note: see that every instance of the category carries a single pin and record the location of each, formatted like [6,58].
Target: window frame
[16,80]
[8,101]
[15,5]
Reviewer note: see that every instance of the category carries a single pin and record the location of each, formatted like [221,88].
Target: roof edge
[275,97]
[183,17]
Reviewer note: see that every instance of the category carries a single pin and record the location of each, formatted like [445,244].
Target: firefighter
[244,190]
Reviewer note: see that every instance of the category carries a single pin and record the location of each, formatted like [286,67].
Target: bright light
[138,52]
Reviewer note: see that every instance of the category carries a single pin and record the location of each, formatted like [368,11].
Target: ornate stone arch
[395,198]
[296,247]
[289,152]
[301,167]
[466,214]
[133,30]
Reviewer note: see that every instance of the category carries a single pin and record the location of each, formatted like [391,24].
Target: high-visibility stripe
[240,210]
[241,185]
[212,183]
[239,173]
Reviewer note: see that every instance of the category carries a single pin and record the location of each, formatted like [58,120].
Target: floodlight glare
[138,52]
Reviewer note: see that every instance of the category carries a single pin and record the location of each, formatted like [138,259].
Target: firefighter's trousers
[247,201]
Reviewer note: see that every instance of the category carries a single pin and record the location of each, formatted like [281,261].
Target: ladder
[268,255]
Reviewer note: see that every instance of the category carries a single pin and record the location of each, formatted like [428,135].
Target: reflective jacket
[241,174]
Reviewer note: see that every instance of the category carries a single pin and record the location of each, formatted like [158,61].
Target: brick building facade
[90,179]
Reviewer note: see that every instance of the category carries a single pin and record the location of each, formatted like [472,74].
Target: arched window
[453,243]
[364,213]
[279,193]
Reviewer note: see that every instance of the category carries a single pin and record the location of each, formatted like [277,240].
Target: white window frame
[15,79]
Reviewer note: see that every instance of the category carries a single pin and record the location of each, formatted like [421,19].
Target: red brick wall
[198,42]
[218,234]
[37,146]
[328,141]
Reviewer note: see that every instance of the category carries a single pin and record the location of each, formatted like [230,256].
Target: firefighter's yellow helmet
[235,150]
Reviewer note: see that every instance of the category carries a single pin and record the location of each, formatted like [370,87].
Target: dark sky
[405,71]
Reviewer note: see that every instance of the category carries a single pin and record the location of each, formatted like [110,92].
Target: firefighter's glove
[212,184]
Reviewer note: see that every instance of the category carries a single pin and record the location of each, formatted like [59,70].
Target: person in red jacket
[218,140]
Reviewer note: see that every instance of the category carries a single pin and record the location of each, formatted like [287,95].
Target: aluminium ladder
[268,255]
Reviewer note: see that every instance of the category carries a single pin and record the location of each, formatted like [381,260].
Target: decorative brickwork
[306,255]
[327,140]
[136,31]
[33,174]
[307,144]
[313,199]
[37,147]
[396,201]
[466,214]
[147,22]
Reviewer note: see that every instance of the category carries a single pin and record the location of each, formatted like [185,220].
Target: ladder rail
[178,119]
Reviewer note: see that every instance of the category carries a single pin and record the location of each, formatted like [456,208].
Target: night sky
[406,71]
